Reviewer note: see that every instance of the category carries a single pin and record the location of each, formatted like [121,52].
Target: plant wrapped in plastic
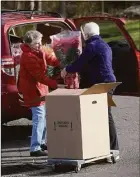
[67,46]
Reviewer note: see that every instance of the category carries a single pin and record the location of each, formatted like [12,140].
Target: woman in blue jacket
[95,66]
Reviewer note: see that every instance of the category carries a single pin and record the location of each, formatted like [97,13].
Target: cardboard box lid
[101,88]
[62,91]
[95,89]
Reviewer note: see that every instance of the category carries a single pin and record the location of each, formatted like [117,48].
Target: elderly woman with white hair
[33,84]
[95,66]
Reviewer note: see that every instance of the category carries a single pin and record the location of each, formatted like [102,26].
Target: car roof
[8,16]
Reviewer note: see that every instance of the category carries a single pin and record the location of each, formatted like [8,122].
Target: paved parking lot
[16,161]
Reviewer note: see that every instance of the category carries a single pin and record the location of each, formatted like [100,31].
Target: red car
[126,57]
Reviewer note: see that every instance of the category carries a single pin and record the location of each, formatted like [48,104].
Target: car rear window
[133,28]
[17,32]
[110,33]
[46,28]
[109,30]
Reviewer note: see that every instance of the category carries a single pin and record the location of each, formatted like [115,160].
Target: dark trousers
[112,130]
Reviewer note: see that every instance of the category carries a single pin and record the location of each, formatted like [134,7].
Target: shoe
[38,153]
[115,155]
[44,147]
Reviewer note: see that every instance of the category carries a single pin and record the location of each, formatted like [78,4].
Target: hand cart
[77,164]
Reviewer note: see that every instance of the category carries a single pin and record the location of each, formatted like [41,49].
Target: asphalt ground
[15,159]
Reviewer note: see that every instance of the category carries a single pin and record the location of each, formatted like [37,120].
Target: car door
[126,56]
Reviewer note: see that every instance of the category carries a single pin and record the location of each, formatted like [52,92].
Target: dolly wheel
[77,168]
[53,167]
[113,159]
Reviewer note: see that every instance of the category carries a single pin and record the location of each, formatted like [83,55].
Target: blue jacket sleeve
[78,64]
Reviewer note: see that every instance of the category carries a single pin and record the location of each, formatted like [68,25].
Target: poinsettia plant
[67,46]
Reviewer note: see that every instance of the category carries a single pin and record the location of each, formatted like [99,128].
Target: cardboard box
[77,122]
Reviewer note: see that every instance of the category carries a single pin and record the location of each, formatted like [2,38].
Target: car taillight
[7,66]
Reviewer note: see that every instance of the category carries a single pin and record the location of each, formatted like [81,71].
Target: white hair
[32,36]
[91,29]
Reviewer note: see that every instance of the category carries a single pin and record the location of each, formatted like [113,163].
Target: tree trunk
[39,7]
[32,5]
[19,5]
[63,8]
[102,4]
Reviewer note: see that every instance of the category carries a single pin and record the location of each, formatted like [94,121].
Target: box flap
[95,89]
[62,91]
[101,88]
